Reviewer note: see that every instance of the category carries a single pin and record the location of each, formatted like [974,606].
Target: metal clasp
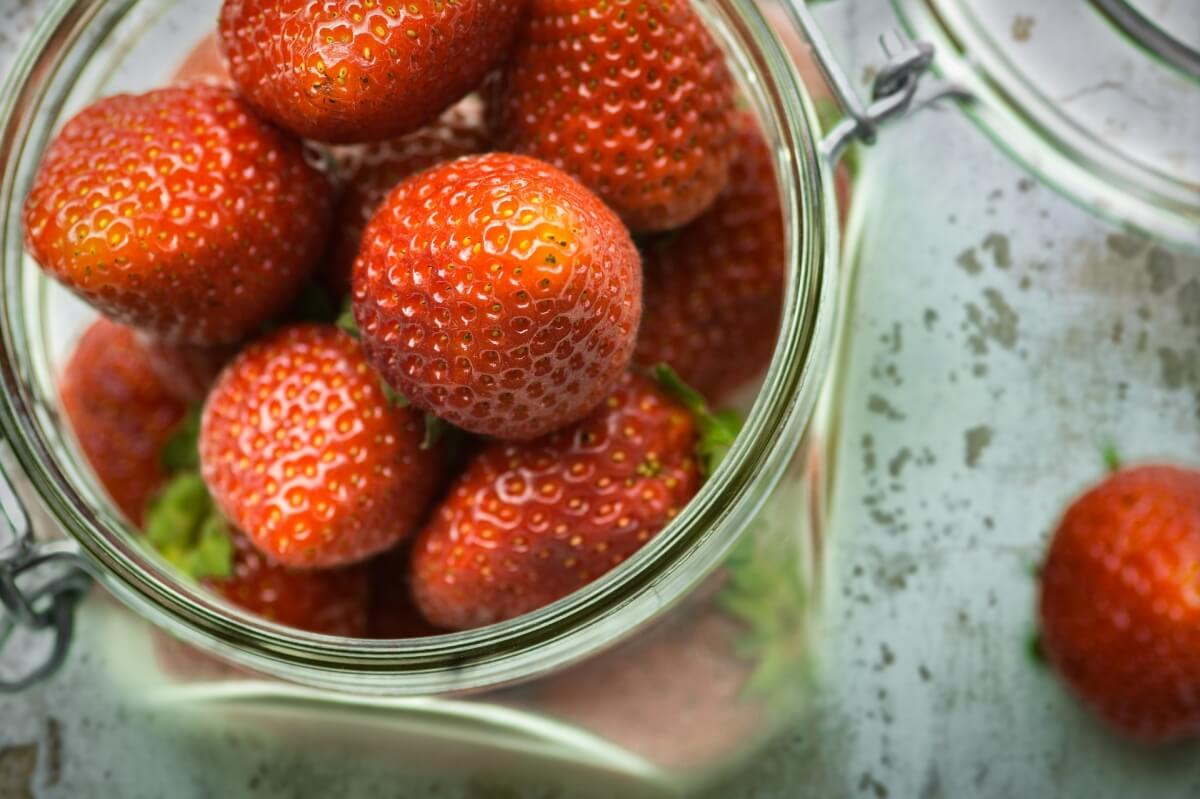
[40,584]
[893,93]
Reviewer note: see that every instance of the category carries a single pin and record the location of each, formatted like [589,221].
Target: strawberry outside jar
[658,677]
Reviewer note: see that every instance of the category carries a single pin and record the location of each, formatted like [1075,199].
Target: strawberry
[714,289]
[179,213]
[371,171]
[303,450]
[1120,601]
[186,371]
[356,70]
[330,601]
[632,98]
[184,525]
[122,413]
[528,523]
[205,63]
[392,613]
[498,294]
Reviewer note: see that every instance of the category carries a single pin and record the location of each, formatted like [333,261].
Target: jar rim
[656,577]
[1043,89]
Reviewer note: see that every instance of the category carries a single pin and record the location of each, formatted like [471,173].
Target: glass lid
[1101,98]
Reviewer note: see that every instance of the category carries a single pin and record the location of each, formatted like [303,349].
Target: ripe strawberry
[302,449]
[351,71]
[205,63]
[184,526]
[499,294]
[330,601]
[392,613]
[632,98]
[185,371]
[122,413]
[528,523]
[371,171]
[714,289]
[1120,601]
[179,213]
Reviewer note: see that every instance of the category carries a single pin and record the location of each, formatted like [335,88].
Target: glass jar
[664,672]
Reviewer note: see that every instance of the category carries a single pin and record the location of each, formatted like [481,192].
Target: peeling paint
[1000,326]
[1126,245]
[969,261]
[897,463]
[1188,301]
[999,246]
[1022,28]
[879,405]
[17,766]
[977,440]
[1161,266]
[1178,368]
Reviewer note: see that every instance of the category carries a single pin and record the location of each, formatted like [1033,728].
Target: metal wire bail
[31,603]
[893,93]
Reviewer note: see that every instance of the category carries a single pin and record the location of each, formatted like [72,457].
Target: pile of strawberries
[520,208]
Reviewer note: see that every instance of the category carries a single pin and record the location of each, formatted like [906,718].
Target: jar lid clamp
[35,604]
[893,92]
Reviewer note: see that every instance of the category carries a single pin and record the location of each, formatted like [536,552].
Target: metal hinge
[894,91]
[40,584]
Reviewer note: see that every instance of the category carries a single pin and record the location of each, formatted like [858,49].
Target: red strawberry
[330,601]
[371,171]
[185,371]
[185,527]
[122,413]
[714,289]
[499,294]
[355,70]
[392,612]
[302,448]
[1120,601]
[528,523]
[632,98]
[205,63]
[179,213]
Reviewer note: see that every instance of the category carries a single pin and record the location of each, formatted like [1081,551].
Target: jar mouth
[51,74]
[1048,81]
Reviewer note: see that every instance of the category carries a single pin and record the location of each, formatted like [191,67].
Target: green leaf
[673,384]
[435,430]
[213,554]
[347,322]
[1037,652]
[393,397]
[184,525]
[1112,458]
[718,431]
[175,515]
[181,452]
